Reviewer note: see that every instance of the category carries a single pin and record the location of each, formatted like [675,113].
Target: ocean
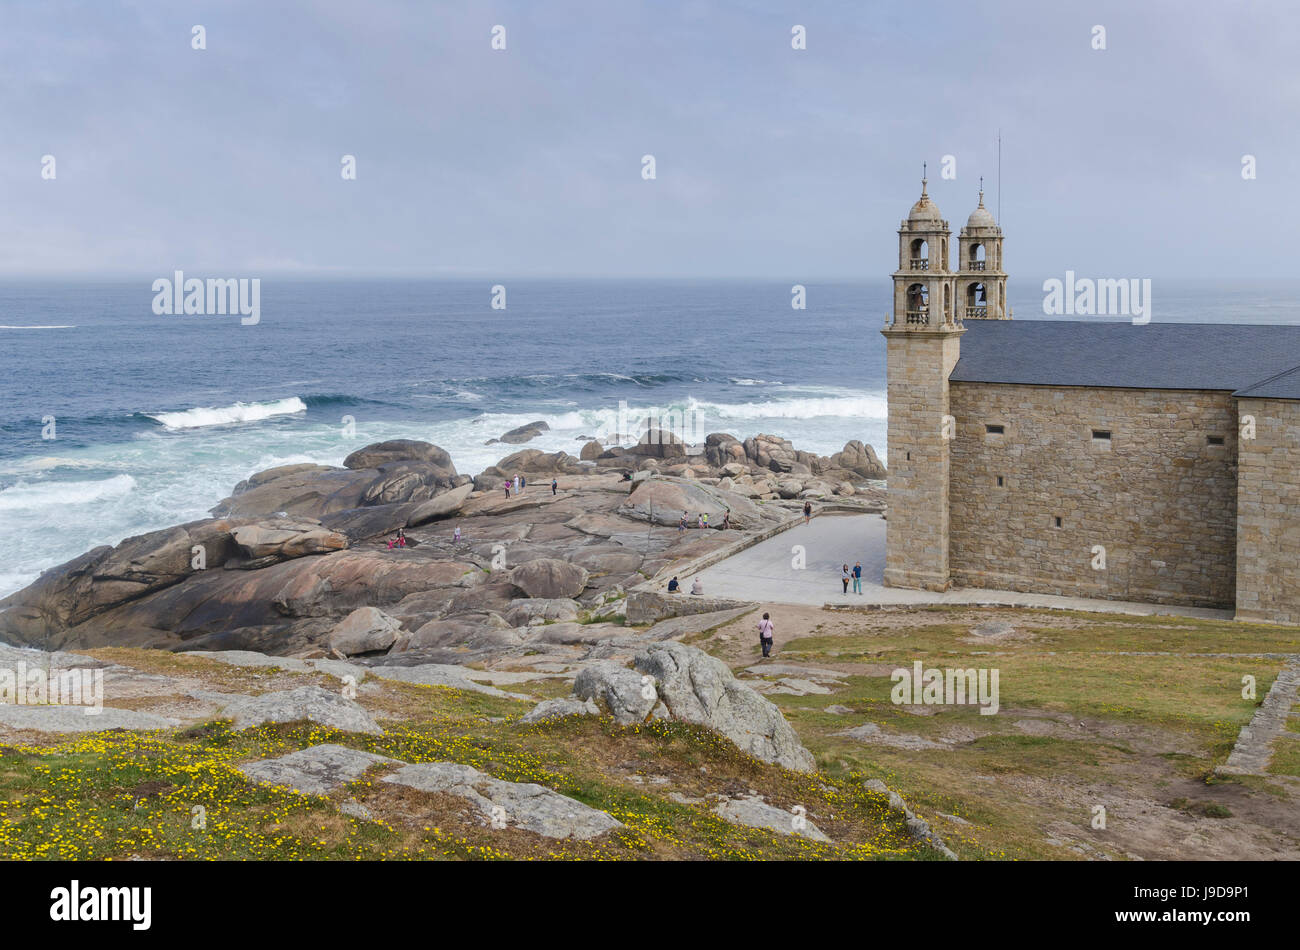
[155,418]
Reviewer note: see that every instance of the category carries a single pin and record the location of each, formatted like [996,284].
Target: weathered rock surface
[525,433]
[551,709]
[399,450]
[316,770]
[549,578]
[701,689]
[515,805]
[305,702]
[365,630]
[76,719]
[753,811]
[617,691]
[283,538]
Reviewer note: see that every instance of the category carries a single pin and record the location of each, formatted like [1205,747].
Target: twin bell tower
[923,343]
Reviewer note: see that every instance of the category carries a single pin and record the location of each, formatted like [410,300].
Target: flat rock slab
[519,805]
[873,734]
[315,770]
[442,674]
[756,813]
[793,669]
[675,627]
[791,686]
[75,719]
[11,656]
[551,709]
[305,702]
[336,668]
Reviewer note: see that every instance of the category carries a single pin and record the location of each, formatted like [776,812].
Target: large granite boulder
[282,538]
[665,500]
[659,443]
[860,459]
[701,689]
[591,451]
[399,450]
[106,577]
[524,433]
[616,690]
[549,578]
[365,630]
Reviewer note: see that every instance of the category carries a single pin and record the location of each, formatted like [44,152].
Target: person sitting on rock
[697,587]
[673,586]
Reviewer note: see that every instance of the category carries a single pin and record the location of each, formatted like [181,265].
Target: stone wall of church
[1268,511]
[1157,496]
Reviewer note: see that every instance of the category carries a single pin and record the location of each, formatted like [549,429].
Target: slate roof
[1256,360]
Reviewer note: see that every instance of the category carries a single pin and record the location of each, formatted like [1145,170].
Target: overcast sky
[771,162]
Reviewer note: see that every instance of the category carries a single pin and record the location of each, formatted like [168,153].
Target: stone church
[1157,463]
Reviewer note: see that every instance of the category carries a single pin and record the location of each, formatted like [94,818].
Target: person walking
[681,525]
[726,520]
[857,578]
[844,576]
[765,634]
[555,485]
[699,521]
[807,511]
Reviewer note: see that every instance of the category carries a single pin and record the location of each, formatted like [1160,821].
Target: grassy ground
[1081,727]
[1086,731]
[179,793]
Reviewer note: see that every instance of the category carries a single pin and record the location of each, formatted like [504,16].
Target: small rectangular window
[1058,521]
[1214,439]
[1102,435]
[993,430]
[999,481]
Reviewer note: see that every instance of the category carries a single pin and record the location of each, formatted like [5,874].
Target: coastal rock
[659,443]
[282,539]
[549,578]
[859,458]
[443,504]
[525,433]
[666,500]
[106,577]
[524,611]
[306,702]
[517,805]
[365,630]
[701,689]
[399,450]
[590,452]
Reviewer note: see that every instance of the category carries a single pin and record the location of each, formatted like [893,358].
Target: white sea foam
[43,495]
[50,326]
[225,415]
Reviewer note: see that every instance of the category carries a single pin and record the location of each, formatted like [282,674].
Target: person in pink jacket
[765,634]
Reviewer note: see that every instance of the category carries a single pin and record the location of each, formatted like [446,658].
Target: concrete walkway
[768,573]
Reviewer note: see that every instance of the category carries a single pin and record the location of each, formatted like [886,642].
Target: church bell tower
[923,342]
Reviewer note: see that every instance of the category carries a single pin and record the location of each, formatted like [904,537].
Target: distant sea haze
[156,417]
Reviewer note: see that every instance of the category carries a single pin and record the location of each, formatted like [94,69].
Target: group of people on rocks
[517,485]
[702,521]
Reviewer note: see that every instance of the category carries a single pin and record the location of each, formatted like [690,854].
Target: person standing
[681,525]
[807,511]
[516,484]
[844,577]
[765,634]
[523,483]
[555,485]
[507,487]
[726,520]
[704,519]
[456,535]
[857,578]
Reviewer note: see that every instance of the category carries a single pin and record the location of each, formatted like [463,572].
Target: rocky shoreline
[296,561]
